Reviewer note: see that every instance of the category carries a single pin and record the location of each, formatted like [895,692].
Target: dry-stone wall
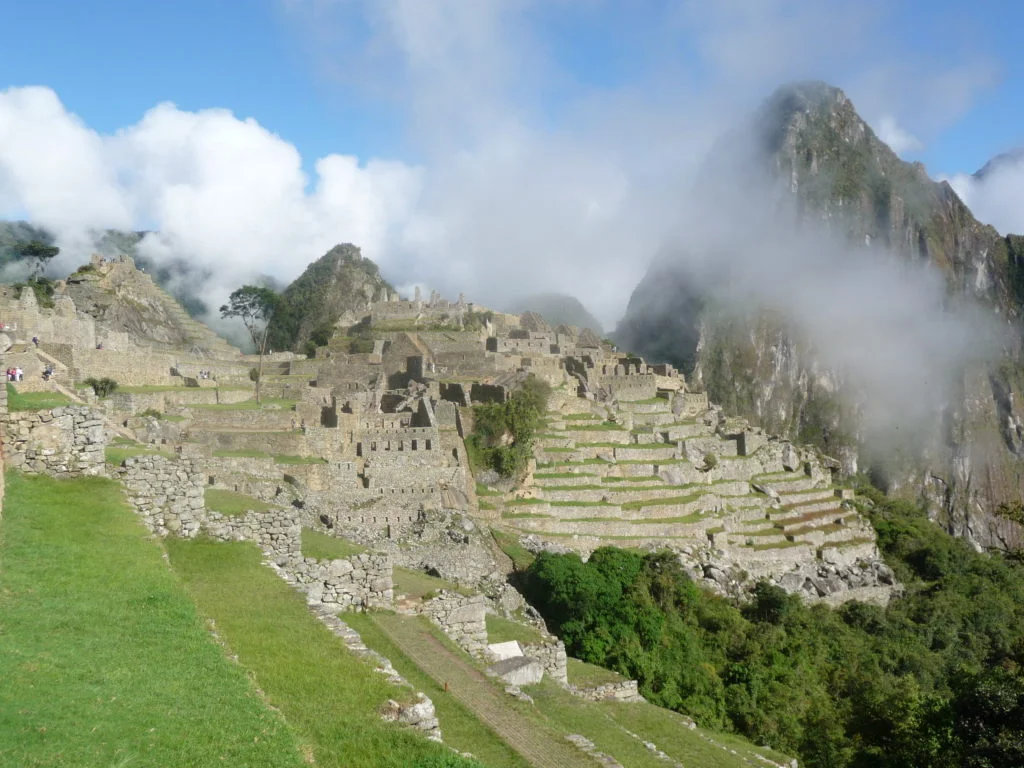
[62,442]
[278,532]
[167,493]
[552,657]
[462,618]
[362,581]
[624,691]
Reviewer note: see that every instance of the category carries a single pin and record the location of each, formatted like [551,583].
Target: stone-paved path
[539,746]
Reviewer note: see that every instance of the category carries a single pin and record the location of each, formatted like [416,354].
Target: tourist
[19,374]
[35,340]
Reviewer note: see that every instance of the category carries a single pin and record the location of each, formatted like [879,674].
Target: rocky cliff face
[125,299]
[338,286]
[827,167]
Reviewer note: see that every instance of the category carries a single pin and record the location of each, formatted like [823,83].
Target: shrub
[502,437]
[710,461]
[102,387]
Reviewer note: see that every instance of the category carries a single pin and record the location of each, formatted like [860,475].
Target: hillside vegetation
[935,679]
[339,284]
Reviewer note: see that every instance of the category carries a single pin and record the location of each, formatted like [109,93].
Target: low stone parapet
[278,532]
[63,442]
[626,691]
[361,581]
[166,493]
[462,618]
[552,658]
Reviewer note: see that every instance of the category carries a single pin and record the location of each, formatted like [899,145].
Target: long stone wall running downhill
[61,442]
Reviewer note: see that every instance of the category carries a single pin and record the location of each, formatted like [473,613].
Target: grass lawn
[509,544]
[502,630]
[231,503]
[460,727]
[559,475]
[103,658]
[610,725]
[116,454]
[284,459]
[240,455]
[669,731]
[325,547]
[586,675]
[667,501]
[483,490]
[146,388]
[34,401]
[325,693]
[418,584]
[247,405]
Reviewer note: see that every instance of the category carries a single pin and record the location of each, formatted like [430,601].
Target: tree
[255,306]
[40,252]
[102,387]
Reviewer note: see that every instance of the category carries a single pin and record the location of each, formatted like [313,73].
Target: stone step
[653,419]
[813,519]
[651,453]
[615,494]
[799,498]
[785,482]
[817,505]
[673,432]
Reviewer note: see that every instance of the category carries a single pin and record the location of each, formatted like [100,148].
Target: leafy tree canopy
[934,679]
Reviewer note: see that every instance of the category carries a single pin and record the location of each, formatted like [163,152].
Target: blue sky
[491,147]
[109,61]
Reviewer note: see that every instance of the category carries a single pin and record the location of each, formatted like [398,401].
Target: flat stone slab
[520,670]
[502,651]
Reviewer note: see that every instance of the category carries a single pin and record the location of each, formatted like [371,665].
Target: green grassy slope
[103,659]
[327,695]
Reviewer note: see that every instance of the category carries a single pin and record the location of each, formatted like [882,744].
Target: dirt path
[538,745]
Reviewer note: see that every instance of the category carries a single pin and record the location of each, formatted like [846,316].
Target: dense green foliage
[101,387]
[502,437]
[935,679]
[339,282]
[42,287]
[39,252]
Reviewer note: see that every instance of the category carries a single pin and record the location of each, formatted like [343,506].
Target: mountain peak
[1005,160]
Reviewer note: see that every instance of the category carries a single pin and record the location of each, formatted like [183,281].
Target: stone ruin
[370,446]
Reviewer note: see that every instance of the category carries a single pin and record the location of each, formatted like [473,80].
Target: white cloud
[528,179]
[997,198]
[900,141]
[223,193]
